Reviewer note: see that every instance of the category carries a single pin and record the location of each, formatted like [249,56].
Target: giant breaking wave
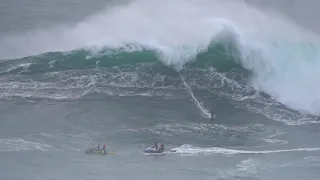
[273,55]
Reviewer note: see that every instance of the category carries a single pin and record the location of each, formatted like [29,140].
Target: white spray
[195,100]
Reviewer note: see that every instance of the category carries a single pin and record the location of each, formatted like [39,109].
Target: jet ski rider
[161,149]
[104,148]
[155,146]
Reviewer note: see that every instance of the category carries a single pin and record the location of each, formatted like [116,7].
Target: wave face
[143,48]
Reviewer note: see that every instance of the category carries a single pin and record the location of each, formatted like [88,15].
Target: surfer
[212,115]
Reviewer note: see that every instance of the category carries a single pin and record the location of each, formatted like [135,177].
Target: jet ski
[96,151]
[151,150]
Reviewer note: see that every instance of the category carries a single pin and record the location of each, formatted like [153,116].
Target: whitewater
[133,72]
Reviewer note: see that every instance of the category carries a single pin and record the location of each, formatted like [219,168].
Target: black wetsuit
[211,116]
[160,150]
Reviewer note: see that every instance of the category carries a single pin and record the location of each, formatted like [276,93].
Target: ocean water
[74,74]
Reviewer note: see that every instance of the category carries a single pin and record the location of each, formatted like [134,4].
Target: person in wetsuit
[161,149]
[104,148]
[212,115]
[155,146]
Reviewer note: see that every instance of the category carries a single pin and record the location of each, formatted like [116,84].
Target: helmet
[104,145]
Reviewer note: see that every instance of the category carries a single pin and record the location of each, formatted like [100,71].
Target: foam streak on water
[195,100]
[187,149]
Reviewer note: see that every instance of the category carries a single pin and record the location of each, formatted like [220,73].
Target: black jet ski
[96,151]
[151,150]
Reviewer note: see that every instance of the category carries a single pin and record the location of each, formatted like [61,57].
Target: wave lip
[176,34]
